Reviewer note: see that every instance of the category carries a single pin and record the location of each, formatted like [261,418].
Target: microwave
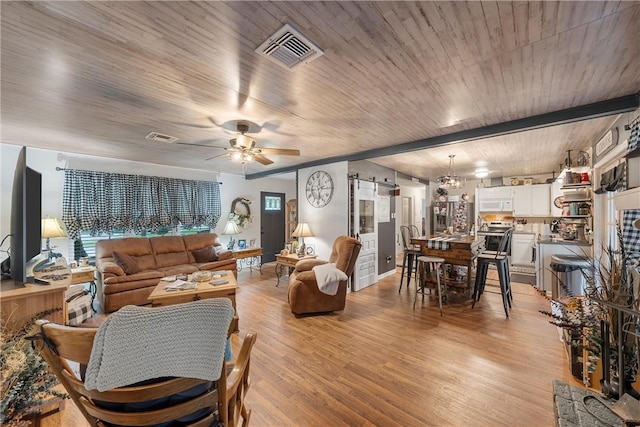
[496,205]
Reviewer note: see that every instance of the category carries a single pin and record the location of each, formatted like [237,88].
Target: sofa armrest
[308,264]
[225,255]
[111,267]
[306,277]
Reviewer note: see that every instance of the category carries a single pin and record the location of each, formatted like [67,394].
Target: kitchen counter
[560,241]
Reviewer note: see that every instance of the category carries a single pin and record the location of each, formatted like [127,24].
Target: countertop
[553,240]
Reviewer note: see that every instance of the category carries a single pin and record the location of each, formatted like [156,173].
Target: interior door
[366,225]
[272,218]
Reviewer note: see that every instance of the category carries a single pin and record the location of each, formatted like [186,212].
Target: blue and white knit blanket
[138,343]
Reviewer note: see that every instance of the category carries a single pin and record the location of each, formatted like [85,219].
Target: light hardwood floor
[382,363]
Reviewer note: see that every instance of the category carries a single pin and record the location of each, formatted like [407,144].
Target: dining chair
[500,259]
[184,399]
[410,254]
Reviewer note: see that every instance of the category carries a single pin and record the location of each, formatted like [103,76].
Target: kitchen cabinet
[522,249]
[532,200]
[495,193]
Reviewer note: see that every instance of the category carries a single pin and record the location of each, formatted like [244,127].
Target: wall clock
[319,189]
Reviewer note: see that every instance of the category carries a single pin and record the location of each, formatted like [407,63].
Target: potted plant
[592,320]
[27,382]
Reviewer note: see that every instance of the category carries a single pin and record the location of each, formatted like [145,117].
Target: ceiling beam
[609,107]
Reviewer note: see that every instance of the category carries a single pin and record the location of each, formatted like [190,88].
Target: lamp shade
[302,230]
[231,228]
[52,227]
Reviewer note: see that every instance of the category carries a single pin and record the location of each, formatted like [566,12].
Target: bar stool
[410,253]
[435,263]
[501,260]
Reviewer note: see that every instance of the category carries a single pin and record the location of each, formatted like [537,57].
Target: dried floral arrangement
[26,379]
[581,316]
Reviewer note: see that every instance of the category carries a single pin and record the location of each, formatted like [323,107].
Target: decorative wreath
[241,215]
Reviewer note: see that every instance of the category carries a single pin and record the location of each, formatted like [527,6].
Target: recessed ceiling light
[481,173]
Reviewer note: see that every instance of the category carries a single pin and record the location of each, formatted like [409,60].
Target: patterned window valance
[101,202]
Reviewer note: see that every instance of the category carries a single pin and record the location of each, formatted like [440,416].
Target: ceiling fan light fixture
[450,180]
[244,141]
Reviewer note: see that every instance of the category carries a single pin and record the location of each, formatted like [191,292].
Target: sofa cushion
[178,269]
[207,254]
[138,247]
[169,251]
[128,263]
[130,279]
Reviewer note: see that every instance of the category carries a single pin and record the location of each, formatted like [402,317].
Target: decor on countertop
[302,231]
[229,230]
[240,212]
[26,379]
[242,244]
[450,180]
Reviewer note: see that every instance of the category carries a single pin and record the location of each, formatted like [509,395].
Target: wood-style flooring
[381,362]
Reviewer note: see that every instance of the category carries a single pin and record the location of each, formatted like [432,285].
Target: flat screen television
[26,215]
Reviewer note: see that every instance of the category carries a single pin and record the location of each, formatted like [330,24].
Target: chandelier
[450,180]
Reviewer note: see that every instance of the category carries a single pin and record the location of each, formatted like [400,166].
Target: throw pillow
[207,254]
[126,262]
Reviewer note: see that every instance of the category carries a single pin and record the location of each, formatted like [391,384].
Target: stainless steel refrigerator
[458,215]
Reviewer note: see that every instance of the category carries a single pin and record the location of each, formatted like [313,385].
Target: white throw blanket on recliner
[328,277]
[137,343]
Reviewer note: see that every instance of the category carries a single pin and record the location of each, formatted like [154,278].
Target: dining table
[455,249]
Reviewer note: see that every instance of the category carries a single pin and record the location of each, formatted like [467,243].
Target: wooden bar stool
[435,263]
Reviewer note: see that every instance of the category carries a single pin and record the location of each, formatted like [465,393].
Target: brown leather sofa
[156,257]
[304,295]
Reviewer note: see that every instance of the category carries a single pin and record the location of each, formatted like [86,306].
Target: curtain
[101,202]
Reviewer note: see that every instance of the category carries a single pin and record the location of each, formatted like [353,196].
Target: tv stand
[18,305]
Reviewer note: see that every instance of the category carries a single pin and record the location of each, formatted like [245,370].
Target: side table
[289,262]
[250,257]
[85,275]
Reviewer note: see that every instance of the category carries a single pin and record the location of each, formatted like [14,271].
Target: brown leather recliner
[304,295]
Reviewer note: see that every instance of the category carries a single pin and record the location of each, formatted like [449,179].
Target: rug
[570,410]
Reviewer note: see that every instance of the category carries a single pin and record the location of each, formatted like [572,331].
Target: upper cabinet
[532,200]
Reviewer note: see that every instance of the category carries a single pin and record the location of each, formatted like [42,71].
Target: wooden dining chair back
[184,401]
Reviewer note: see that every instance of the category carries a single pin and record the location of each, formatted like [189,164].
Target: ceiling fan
[243,148]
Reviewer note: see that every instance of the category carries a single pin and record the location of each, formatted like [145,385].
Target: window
[272,203]
[86,246]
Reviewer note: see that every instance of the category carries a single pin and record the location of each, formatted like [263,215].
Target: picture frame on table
[252,243]
[242,244]
[310,249]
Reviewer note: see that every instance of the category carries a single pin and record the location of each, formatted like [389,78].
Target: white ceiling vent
[155,136]
[289,48]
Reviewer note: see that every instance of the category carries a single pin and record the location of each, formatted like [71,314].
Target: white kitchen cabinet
[531,200]
[495,193]
[522,249]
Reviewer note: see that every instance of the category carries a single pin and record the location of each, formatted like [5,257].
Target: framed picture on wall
[242,244]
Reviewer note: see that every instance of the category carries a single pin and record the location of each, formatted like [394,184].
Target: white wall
[331,221]
[46,161]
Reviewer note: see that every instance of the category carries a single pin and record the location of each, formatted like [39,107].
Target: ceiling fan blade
[191,125]
[282,151]
[215,157]
[262,159]
[198,145]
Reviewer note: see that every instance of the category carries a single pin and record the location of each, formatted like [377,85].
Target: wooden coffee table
[160,297]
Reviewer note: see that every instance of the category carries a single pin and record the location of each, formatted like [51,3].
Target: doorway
[271,224]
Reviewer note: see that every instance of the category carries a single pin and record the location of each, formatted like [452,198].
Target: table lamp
[302,230]
[230,229]
[51,228]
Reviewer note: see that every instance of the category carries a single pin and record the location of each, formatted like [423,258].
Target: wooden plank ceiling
[96,77]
